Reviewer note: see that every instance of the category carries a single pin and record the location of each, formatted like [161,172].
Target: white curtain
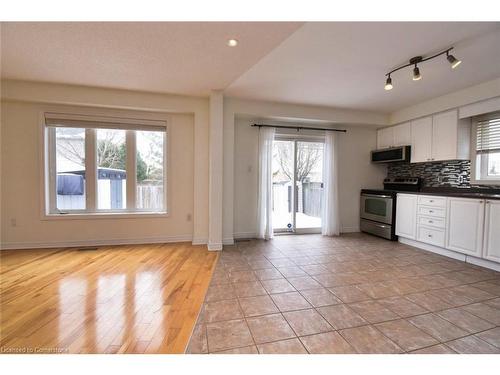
[330,221]
[265,200]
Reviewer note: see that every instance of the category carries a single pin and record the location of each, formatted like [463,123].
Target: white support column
[215,186]
[200,167]
[228,199]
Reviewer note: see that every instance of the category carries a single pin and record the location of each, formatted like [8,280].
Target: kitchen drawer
[431,211]
[428,200]
[435,222]
[431,236]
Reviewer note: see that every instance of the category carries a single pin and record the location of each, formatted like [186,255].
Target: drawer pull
[431,211]
[429,235]
[430,221]
[431,200]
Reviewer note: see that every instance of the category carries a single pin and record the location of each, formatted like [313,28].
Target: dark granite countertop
[478,193]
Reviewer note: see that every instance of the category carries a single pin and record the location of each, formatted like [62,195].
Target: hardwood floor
[113,299]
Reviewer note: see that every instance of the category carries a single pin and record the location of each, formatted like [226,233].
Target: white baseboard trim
[432,248]
[228,241]
[452,254]
[215,246]
[107,242]
[200,241]
[244,235]
[483,263]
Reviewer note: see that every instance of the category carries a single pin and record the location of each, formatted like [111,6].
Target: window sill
[106,215]
[484,182]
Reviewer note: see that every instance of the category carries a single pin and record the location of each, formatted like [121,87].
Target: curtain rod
[298,128]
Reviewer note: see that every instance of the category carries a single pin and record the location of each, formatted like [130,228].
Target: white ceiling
[177,57]
[344,64]
[336,64]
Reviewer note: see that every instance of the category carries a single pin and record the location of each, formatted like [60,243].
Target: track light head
[416,74]
[453,60]
[388,84]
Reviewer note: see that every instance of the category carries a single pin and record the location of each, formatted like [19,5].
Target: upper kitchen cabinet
[442,136]
[402,134]
[421,140]
[385,138]
[399,135]
[450,136]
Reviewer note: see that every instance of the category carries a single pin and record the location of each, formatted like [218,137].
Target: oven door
[376,208]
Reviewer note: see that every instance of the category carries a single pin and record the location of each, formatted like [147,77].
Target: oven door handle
[376,196]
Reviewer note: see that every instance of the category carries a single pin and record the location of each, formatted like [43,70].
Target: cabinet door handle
[432,200]
[431,211]
[430,221]
[429,235]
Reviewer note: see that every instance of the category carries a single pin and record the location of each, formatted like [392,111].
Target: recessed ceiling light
[232,42]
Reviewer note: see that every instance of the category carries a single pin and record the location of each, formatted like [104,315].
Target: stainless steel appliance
[389,155]
[378,207]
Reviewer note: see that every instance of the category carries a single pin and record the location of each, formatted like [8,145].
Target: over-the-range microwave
[387,155]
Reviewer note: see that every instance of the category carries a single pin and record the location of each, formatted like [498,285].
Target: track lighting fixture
[388,83]
[416,74]
[414,61]
[452,60]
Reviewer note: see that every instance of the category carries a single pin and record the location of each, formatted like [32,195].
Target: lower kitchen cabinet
[468,226]
[465,218]
[431,236]
[406,216]
[491,248]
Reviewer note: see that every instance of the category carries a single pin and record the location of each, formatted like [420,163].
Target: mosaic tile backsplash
[453,173]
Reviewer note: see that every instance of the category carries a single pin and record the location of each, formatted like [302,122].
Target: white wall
[22,180]
[279,112]
[473,94]
[355,172]
[22,103]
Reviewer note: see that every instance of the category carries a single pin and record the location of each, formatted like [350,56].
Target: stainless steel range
[378,207]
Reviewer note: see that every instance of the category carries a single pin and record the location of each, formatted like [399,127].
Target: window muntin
[100,165]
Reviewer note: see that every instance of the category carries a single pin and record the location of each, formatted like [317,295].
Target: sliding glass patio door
[297,185]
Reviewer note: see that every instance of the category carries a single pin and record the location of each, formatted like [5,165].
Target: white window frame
[48,154]
[479,161]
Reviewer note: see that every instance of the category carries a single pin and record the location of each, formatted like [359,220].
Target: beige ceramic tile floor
[350,294]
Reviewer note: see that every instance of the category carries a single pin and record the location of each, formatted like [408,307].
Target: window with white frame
[104,165]
[487,162]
